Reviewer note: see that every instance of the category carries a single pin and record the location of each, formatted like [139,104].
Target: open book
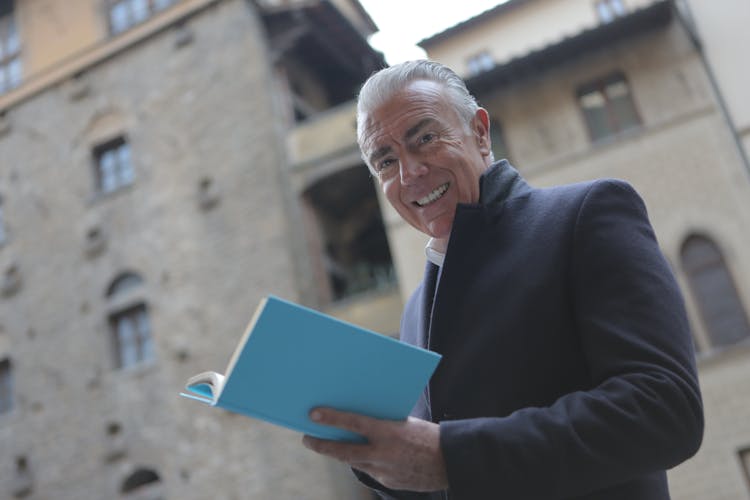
[292,359]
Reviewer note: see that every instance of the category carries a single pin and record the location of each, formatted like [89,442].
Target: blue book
[292,359]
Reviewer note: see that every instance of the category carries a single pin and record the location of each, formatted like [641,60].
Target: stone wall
[195,103]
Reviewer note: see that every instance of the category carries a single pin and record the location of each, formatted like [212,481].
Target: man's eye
[426,138]
[384,164]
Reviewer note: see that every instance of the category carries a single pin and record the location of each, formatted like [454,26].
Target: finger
[359,424]
[350,453]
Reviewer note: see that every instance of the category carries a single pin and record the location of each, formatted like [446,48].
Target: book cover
[292,359]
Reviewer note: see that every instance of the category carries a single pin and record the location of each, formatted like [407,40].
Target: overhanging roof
[469,23]
[654,16]
[365,15]
[334,35]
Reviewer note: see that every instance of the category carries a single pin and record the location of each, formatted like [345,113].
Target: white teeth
[437,193]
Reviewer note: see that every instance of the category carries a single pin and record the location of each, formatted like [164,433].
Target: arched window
[714,291]
[138,479]
[129,321]
[125,281]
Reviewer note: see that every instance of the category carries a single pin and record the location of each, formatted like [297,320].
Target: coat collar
[499,183]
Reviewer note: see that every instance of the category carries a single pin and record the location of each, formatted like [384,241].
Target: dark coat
[568,367]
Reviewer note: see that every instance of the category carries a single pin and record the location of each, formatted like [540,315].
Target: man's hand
[401,455]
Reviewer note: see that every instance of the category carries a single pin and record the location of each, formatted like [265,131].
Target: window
[132,336]
[714,291]
[129,322]
[10,48]
[114,168]
[124,14]
[499,148]
[608,10]
[139,480]
[6,386]
[607,106]
[480,63]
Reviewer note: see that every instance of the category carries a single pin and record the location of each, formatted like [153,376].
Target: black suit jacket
[568,367]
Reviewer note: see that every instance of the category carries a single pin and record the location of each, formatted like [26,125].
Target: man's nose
[411,169]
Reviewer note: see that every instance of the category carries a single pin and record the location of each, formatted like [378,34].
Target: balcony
[326,139]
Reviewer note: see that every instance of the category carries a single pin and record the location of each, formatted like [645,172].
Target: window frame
[615,127]
[141,344]
[122,172]
[127,304]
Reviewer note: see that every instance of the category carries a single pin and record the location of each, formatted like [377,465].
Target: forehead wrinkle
[376,126]
[408,135]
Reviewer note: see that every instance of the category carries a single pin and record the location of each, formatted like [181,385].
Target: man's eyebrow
[416,128]
[379,153]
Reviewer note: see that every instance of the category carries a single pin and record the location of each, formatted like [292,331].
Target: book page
[245,336]
[206,385]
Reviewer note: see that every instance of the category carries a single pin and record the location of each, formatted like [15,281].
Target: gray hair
[382,85]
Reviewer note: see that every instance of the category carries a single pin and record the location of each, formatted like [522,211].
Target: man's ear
[481,129]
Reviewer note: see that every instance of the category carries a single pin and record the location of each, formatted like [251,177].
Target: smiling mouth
[433,196]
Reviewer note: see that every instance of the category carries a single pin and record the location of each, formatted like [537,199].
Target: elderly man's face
[426,157]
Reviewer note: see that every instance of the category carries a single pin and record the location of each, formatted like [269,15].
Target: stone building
[147,202]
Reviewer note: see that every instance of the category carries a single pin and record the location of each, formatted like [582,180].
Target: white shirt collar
[435,251]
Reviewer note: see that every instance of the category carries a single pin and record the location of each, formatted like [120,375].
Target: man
[568,368]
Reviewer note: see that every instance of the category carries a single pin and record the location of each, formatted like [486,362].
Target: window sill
[140,369]
[618,136]
[100,196]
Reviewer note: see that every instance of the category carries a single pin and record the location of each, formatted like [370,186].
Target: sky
[403,23]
